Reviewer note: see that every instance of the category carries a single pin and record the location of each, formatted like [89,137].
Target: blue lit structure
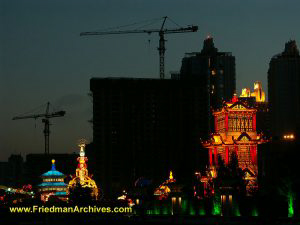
[53,184]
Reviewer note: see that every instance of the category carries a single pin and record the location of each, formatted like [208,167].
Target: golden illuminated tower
[82,175]
[246,93]
[258,93]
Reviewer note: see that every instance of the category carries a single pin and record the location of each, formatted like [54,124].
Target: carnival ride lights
[82,175]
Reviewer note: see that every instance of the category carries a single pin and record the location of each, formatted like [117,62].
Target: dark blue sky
[42,57]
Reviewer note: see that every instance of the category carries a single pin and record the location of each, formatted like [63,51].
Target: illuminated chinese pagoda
[235,132]
[53,184]
[167,187]
[82,175]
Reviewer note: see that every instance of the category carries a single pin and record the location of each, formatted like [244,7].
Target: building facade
[284,91]
[12,172]
[144,128]
[216,69]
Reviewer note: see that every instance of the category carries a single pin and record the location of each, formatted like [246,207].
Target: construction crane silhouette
[161,32]
[46,116]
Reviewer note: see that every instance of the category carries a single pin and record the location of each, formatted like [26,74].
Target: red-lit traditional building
[235,132]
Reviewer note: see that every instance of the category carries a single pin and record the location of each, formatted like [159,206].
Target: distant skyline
[43,58]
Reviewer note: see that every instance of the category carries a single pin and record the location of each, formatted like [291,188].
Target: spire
[53,164]
[291,49]
[82,152]
[209,46]
[81,145]
[171,175]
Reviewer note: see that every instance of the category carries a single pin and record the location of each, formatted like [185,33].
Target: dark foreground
[71,219]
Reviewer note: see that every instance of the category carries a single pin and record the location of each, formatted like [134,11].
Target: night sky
[43,58]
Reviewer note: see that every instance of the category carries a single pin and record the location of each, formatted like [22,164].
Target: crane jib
[45,119]
[178,30]
[161,33]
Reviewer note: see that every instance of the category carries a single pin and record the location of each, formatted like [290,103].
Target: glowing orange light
[217,139]
[289,136]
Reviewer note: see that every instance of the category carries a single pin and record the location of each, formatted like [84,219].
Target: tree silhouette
[231,175]
[80,195]
[237,175]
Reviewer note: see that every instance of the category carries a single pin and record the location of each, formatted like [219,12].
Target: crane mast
[46,116]
[161,32]
[162,50]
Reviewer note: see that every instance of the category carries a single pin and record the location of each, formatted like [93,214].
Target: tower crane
[46,116]
[161,32]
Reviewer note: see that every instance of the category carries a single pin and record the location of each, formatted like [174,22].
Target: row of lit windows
[53,180]
[53,189]
[244,155]
[221,123]
[240,123]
